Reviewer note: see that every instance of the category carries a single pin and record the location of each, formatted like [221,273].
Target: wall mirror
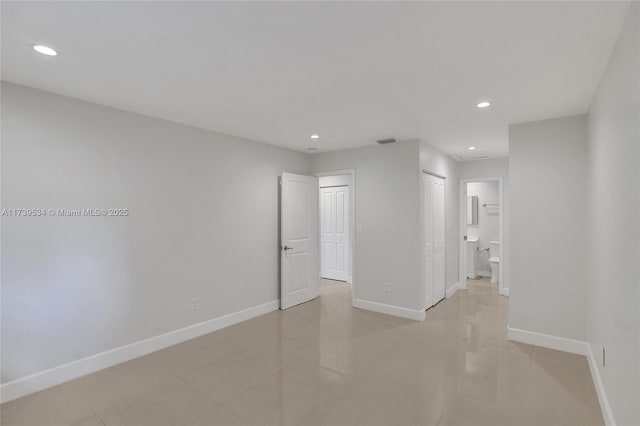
[472,210]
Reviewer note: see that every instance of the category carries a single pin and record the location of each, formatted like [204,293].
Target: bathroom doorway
[482,230]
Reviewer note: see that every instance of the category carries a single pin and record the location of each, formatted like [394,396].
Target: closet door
[438,240]
[427,227]
[334,231]
[433,238]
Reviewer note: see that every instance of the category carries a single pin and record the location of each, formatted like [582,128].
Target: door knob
[285,248]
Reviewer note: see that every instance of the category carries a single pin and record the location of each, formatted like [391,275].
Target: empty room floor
[325,363]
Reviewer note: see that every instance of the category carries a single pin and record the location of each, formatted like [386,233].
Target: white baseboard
[504,292]
[571,346]
[602,395]
[452,290]
[485,273]
[63,373]
[547,341]
[390,309]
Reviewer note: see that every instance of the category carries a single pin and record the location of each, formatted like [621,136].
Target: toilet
[494,260]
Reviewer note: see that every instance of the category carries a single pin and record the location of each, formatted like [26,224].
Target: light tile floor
[325,363]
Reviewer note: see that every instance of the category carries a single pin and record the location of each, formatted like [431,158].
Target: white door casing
[503,282]
[464,235]
[300,275]
[334,232]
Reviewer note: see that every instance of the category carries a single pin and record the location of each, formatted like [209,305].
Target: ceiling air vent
[384,141]
[471,156]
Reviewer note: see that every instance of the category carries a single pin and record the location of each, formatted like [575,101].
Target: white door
[438,240]
[334,232]
[427,229]
[300,277]
[466,250]
[433,238]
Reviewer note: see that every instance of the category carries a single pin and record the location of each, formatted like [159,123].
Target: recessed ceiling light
[483,104]
[315,137]
[471,148]
[45,50]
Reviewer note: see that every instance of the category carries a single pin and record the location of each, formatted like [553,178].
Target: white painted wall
[488,227]
[613,312]
[547,169]
[495,167]
[435,161]
[387,208]
[203,223]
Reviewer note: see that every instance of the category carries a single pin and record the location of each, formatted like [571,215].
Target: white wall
[387,208]
[203,207]
[547,169]
[488,227]
[495,167]
[435,161]
[613,311]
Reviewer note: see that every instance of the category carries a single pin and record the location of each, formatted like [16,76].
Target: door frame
[502,288]
[352,220]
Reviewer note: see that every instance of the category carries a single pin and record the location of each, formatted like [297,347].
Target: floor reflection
[326,363]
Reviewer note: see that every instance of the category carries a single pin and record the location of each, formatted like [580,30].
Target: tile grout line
[210,399]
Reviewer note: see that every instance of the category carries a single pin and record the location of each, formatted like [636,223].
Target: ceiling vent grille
[472,156]
[385,141]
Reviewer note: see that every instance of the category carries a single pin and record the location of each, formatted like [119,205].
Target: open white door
[300,274]
[334,232]
[465,248]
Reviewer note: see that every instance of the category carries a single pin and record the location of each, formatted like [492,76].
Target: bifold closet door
[427,226]
[334,232]
[438,240]
[433,238]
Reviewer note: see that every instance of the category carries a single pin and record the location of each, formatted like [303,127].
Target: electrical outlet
[193,304]
[387,287]
[358,229]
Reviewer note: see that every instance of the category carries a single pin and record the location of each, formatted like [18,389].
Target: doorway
[482,231]
[336,224]
[301,248]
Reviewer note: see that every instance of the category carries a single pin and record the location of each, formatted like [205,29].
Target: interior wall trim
[72,370]
[397,311]
[607,413]
[452,290]
[547,341]
[433,174]
[571,346]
